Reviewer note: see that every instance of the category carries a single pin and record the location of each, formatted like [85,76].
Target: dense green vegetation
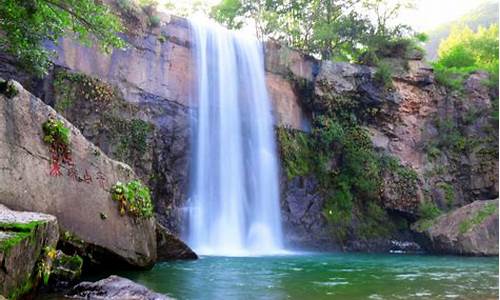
[340,154]
[465,51]
[484,15]
[339,30]
[133,198]
[26,25]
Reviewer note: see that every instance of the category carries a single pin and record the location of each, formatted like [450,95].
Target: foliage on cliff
[339,153]
[133,198]
[26,25]
[465,51]
[338,30]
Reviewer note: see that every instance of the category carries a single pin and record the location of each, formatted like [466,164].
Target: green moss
[478,218]
[70,88]
[22,289]
[295,152]
[132,136]
[133,198]
[19,232]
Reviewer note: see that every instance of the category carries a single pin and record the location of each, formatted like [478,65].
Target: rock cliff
[136,106]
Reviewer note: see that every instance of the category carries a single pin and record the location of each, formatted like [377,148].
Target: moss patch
[478,218]
[18,232]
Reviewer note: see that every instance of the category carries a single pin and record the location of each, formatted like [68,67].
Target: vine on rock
[57,136]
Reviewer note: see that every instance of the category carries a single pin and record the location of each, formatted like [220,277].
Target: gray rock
[79,196]
[114,288]
[469,230]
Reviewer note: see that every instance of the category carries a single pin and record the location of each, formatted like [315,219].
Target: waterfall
[234,193]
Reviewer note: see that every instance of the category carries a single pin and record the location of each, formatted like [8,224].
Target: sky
[427,14]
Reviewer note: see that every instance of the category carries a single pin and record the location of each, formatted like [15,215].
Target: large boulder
[469,230]
[24,236]
[171,247]
[79,197]
[114,288]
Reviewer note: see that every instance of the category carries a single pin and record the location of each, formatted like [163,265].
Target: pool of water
[325,276]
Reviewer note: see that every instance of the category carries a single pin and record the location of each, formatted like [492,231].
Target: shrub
[154,21]
[133,198]
[465,51]
[383,75]
[428,210]
[55,133]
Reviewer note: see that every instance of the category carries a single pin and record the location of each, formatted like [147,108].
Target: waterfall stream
[234,193]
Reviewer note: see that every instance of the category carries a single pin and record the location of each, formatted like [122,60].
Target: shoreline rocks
[114,288]
[469,230]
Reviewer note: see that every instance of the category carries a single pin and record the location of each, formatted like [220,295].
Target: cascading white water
[234,197]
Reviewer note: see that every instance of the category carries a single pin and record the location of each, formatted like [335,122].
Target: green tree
[26,25]
[328,29]
[464,51]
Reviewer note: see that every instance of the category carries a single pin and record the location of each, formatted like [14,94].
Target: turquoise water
[325,276]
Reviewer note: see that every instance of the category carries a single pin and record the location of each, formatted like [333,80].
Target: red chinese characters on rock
[101,178]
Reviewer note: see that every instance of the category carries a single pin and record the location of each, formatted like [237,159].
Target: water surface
[326,276]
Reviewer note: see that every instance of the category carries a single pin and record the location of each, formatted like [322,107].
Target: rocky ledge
[468,230]
[114,288]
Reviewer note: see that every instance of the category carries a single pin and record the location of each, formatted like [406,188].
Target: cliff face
[139,111]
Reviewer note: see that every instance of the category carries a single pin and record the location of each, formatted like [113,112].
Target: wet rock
[114,288]
[171,247]
[24,236]
[468,230]
[78,195]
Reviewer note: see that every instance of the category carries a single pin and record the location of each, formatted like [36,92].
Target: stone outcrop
[171,247]
[79,196]
[468,230]
[113,288]
[24,238]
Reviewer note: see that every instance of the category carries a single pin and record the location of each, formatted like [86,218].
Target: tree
[328,29]
[464,51]
[26,25]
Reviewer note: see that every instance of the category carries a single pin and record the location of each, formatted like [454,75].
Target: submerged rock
[469,230]
[75,191]
[114,288]
[24,236]
[171,247]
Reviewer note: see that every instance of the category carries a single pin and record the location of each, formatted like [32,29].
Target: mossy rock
[23,238]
